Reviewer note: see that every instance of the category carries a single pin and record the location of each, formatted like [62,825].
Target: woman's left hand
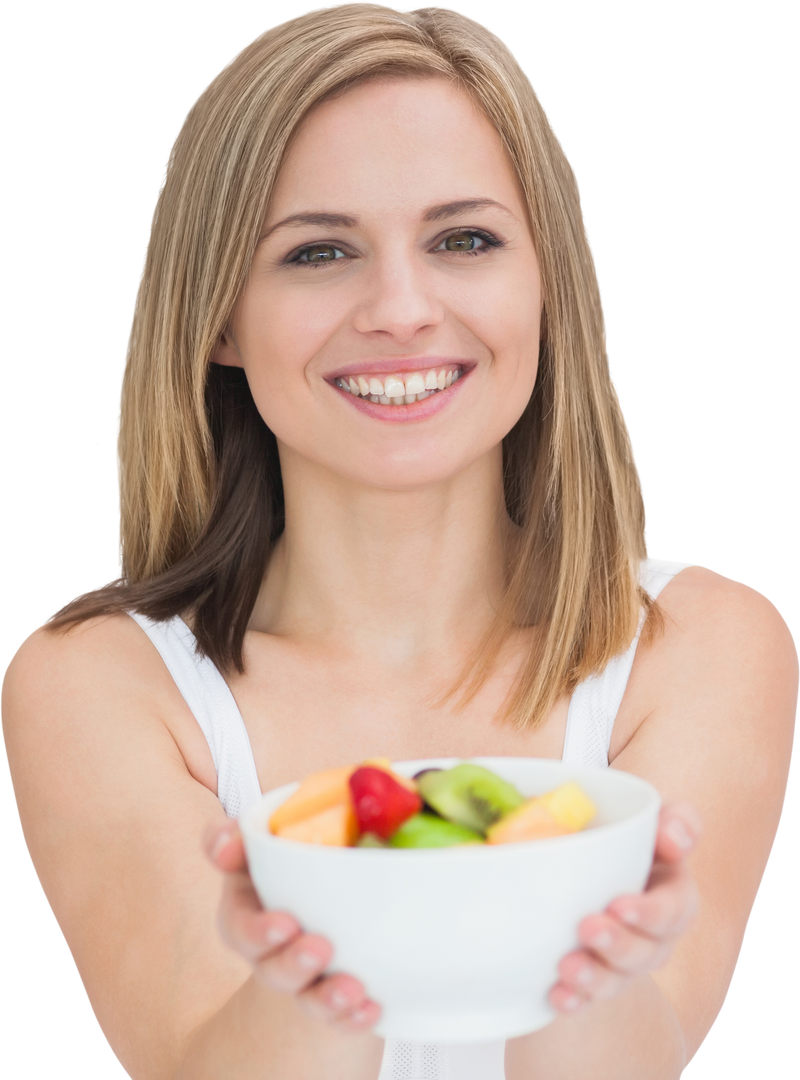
[636,933]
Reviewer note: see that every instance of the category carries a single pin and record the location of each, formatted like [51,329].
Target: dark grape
[423,771]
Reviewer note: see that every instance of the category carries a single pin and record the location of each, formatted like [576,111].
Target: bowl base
[462,1026]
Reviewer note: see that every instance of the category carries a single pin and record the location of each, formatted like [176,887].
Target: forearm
[263,1035]
[636,1036]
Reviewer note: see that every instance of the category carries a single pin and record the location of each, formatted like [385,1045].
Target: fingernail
[603,940]
[221,841]
[360,1016]
[585,976]
[309,960]
[339,1000]
[572,1002]
[679,834]
[631,916]
[276,935]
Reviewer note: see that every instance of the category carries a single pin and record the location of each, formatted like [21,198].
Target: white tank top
[592,711]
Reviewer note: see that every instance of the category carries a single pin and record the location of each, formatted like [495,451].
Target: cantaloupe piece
[323,789]
[564,810]
[316,793]
[337,827]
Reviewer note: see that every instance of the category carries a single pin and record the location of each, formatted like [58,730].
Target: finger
[602,970]
[666,908]
[365,1016]
[566,999]
[335,999]
[296,966]
[623,951]
[243,923]
[584,978]
[224,846]
[338,999]
[679,829]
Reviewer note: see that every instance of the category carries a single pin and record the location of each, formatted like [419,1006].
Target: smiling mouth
[392,390]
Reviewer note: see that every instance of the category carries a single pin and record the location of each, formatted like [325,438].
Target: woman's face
[396,252]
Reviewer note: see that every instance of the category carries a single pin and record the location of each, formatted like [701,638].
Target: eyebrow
[347,221]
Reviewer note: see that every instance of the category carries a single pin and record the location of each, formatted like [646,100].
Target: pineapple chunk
[570,806]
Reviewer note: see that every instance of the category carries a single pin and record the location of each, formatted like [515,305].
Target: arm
[718,691]
[115,786]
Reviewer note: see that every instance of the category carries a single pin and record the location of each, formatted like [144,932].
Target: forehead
[394,146]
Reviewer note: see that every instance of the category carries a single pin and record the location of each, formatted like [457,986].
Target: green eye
[319,250]
[461,242]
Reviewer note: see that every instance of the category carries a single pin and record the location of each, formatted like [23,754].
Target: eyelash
[489,241]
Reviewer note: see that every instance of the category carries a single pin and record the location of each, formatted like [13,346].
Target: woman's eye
[318,254]
[469,242]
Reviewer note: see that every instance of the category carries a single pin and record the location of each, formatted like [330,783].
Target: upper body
[116,783]
[396,239]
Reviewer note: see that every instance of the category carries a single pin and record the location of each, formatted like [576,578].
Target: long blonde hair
[201,496]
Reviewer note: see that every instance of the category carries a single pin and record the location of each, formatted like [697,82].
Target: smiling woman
[378,500]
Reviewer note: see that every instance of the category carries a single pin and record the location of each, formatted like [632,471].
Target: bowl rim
[254,831]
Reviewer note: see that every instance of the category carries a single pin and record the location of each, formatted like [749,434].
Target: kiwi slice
[425,830]
[469,795]
[415,778]
[370,839]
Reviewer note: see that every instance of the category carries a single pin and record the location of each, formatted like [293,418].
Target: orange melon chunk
[337,827]
[317,792]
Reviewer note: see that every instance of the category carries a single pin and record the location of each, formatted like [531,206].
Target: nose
[399,302]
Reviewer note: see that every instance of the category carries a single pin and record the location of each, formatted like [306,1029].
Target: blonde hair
[189,539]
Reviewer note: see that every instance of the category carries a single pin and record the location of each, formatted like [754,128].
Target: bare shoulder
[714,618]
[106,648]
[704,585]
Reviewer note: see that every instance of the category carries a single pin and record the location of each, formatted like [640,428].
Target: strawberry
[381,803]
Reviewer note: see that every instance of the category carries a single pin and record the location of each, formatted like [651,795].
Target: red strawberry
[381,804]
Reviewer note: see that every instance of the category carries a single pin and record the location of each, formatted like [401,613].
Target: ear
[226,353]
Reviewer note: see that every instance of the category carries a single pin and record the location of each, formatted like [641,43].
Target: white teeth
[396,390]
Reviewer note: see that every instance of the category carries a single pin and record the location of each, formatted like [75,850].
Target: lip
[405,414]
[400,365]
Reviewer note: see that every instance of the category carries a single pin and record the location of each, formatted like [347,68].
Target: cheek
[280,331]
[505,316]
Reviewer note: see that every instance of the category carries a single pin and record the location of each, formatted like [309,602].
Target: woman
[364,197]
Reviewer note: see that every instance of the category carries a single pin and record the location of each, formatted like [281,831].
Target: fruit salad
[370,805]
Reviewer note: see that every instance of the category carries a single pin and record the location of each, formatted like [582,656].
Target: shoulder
[104,666]
[722,651]
[107,648]
[720,635]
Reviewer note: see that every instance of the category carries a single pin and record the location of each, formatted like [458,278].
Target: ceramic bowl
[462,944]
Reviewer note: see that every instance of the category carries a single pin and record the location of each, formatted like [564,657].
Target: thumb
[223,844]
[679,828]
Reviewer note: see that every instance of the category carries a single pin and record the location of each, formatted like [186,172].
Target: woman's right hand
[273,943]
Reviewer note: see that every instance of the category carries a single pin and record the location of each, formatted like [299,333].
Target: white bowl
[462,944]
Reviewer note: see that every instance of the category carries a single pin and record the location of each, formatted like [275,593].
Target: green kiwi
[370,839]
[469,795]
[429,831]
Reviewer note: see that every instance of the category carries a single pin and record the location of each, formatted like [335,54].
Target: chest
[302,716]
